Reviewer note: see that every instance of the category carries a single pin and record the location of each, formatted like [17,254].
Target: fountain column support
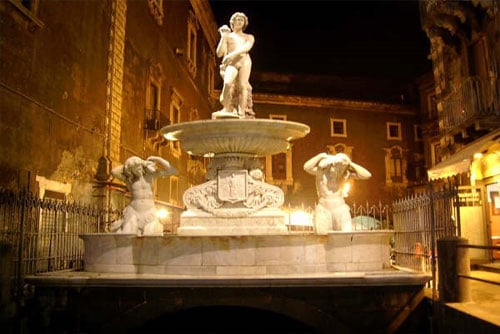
[235,200]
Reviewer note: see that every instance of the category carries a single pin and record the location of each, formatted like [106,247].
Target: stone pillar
[453,260]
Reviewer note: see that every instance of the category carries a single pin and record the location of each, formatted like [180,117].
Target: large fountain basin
[257,137]
[358,251]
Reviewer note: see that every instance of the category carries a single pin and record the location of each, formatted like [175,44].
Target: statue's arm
[311,165]
[244,48]
[222,46]
[118,172]
[359,172]
[166,169]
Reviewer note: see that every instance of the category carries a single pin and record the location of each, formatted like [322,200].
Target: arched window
[395,166]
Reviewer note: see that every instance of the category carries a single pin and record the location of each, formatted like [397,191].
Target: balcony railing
[465,105]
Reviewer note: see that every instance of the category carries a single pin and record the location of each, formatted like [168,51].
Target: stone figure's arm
[166,169]
[244,48]
[311,165]
[222,46]
[359,172]
[118,172]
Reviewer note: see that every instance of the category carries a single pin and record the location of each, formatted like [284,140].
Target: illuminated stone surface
[365,251]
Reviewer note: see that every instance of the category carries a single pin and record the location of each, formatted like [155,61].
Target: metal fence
[419,221]
[43,234]
[371,217]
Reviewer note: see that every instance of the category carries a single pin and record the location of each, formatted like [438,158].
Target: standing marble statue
[139,217]
[234,47]
[332,172]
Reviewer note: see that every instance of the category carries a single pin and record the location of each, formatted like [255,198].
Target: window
[152,116]
[153,98]
[191,43]
[156,9]
[279,166]
[395,166]
[175,117]
[417,130]
[210,77]
[394,131]
[432,106]
[338,127]
[437,155]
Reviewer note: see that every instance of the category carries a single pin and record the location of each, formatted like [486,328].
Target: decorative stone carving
[235,193]
[332,172]
[234,47]
[139,217]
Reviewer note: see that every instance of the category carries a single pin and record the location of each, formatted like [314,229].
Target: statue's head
[134,166]
[237,15]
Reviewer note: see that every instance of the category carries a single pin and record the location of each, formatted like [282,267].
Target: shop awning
[460,162]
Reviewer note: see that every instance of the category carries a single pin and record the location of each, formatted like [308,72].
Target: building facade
[375,122]
[462,111]
[87,84]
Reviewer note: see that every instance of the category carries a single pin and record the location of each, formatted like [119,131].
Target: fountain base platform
[251,255]
[264,222]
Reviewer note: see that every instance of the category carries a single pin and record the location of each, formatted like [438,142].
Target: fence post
[5,280]
[453,260]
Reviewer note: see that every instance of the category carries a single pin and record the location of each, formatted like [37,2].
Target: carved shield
[232,185]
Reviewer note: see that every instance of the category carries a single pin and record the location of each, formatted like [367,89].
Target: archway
[224,319]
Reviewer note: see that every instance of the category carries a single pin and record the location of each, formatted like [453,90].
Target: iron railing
[371,217]
[43,234]
[419,221]
[464,104]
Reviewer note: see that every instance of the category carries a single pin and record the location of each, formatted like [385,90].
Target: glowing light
[478,155]
[300,218]
[162,214]
[345,189]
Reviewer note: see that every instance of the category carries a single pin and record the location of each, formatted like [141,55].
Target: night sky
[347,38]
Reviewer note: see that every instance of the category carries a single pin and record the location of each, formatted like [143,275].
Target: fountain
[235,200]
[234,224]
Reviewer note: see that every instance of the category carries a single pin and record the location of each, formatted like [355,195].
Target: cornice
[206,18]
[318,102]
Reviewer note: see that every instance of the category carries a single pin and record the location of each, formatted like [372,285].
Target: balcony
[472,103]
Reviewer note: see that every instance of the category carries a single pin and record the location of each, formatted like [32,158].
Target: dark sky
[349,38]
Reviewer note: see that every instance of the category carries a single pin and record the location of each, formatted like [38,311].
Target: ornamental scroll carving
[235,193]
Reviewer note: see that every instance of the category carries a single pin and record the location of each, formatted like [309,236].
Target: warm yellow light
[345,189]
[300,218]
[478,155]
[162,214]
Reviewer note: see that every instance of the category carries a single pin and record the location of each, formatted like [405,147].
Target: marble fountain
[233,223]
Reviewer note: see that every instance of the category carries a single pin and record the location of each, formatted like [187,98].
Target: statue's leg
[116,226]
[344,217]
[153,228]
[322,220]
[243,83]
[130,225]
[227,90]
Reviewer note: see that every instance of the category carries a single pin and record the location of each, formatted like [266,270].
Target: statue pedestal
[264,222]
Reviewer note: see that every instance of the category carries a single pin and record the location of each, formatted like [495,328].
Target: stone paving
[485,302]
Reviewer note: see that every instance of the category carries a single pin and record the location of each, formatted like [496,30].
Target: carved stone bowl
[257,137]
